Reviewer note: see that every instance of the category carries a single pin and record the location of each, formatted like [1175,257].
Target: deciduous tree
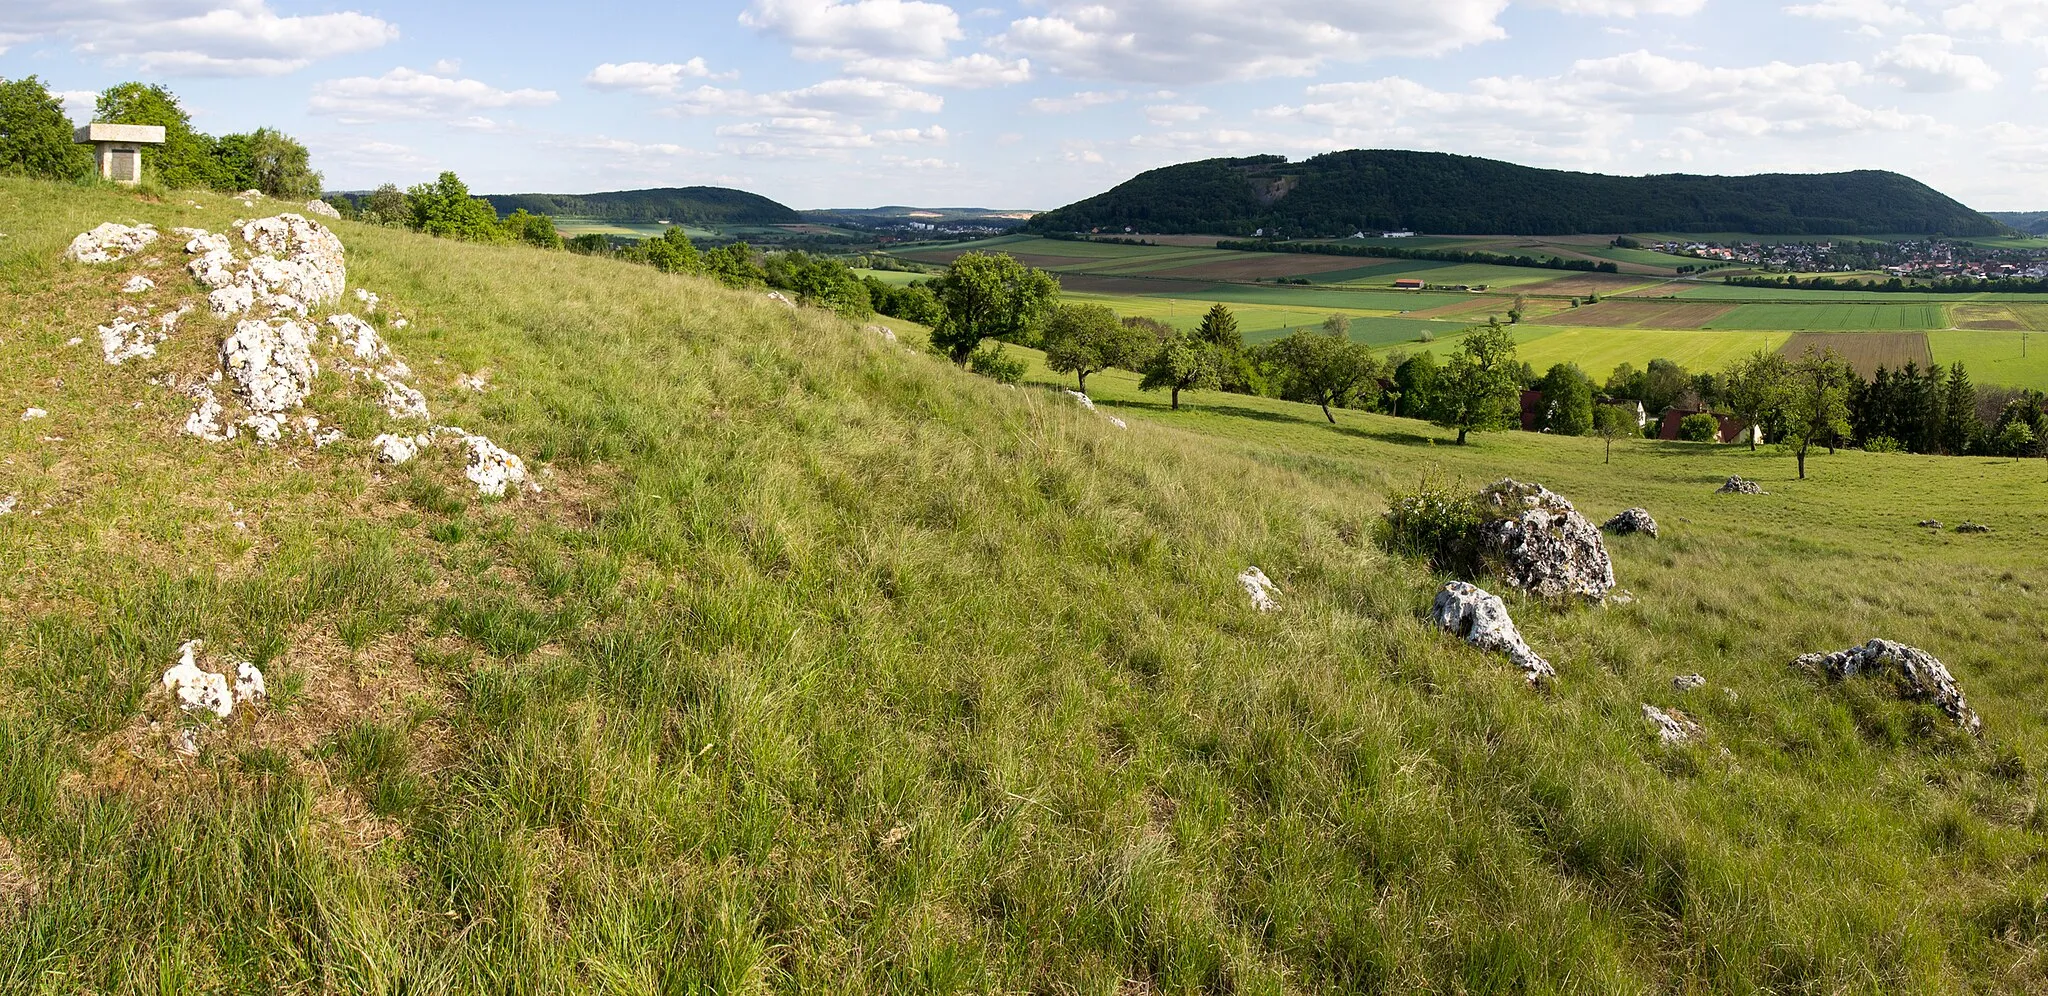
[35,136]
[1480,388]
[1817,401]
[1082,339]
[1324,368]
[1755,389]
[1181,362]
[1612,422]
[989,296]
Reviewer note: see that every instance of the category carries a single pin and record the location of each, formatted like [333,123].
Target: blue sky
[1034,103]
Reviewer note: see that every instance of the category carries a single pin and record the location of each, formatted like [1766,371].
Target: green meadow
[821,665]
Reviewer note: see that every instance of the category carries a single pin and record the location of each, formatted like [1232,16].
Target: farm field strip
[1625,313]
[1838,317]
[2006,359]
[1865,351]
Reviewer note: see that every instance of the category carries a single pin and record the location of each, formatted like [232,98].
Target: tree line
[1377,251]
[1894,285]
[36,140]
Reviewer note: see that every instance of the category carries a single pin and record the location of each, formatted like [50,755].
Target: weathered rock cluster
[200,690]
[1089,403]
[1631,521]
[1672,726]
[1914,673]
[283,268]
[1738,486]
[1544,546]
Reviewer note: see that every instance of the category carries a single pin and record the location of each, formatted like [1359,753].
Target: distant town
[1927,259]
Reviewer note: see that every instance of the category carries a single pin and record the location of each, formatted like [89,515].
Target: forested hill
[1432,192]
[682,205]
[2030,222]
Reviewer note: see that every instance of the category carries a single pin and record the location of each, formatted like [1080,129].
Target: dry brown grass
[1866,351]
[1623,314]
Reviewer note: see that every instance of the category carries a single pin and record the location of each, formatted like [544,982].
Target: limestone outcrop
[1672,726]
[1541,543]
[1914,674]
[1738,486]
[1481,619]
[110,242]
[1630,522]
[1265,595]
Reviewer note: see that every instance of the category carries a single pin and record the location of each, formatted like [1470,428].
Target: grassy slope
[824,667]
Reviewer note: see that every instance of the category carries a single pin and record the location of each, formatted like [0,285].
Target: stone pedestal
[118,148]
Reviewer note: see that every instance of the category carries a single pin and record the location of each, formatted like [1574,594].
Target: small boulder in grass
[1630,522]
[1264,593]
[1480,618]
[1541,543]
[1738,486]
[1973,527]
[1689,682]
[1672,726]
[1914,674]
[1930,524]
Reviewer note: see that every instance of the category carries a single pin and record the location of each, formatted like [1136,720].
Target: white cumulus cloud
[650,77]
[966,72]
[857,29]
[1930,64]
[193,37]
[1873,13]
[409,93]
[1074,102]
[1626,8]
[1200,41]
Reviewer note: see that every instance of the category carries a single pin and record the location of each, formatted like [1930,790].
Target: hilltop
[1340,193]
[2030,222]
[701,206]
[804,661]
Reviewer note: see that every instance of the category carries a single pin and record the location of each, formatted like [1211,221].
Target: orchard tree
[444,208]
[1182,363]
[1415,385]
[1082,339]
[1235,370]
[1324,368]
[1480,389]
[1612,422]
[1817,401]
[1567,400]
[989,296]
[35,136]
[1755,389]
[386,205]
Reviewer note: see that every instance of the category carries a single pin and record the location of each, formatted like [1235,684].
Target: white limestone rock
[138,284]
[368,301]
[1082,399]
[398,449]
[1689,682]
[32,414]
[271,363]
[491,468]
[209,420]
[8,503]
[1672,726]
[125,340]
[1119,423]
[1481,619]
[779,298]
[110,242]
[888,334]
[1914,674]
[1738,486]
[477,383]
[1264,593]
[400,400]
[322,208]
[1543,545]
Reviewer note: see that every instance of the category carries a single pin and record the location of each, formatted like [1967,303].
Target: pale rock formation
[1481,619]
[1634,520]
[1738,486]
[1264,593]
[1544,546]
[1914,673]
[368,301]
[32,414]
[401,400]
[398,449]
[1673,727]
[208,421]
[1689,682]
[295,264]
[200,690]
[322,208]
[491,468]
[110,242]
[361,341]
[1973,527]
[1083,399]
[1119,423]
[778,297]
[7,504]
[125,340]
[888,334]
[138,284]
[271,363]
[477,383]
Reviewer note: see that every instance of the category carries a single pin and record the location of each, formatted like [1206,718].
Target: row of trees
[1895,285]
[36,140]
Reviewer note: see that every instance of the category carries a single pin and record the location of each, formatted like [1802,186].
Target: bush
[996,362]
[1881,444]
[1699,428]
[1435,522]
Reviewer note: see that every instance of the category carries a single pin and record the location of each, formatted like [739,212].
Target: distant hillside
[682,205]
[2030,222]
[1344,192]
[893,214]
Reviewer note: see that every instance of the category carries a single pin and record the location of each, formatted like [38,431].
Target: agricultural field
[1642,314]
[1865,351]
[1260,323]
[2013,359]
[1599,351]
[1834,317]
[570,227]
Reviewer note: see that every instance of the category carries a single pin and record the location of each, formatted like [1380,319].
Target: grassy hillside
[1335,194]
[820,666]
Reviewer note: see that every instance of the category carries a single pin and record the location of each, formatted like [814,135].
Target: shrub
[1699,428]
[1435,522]
[996,362]
[1881,444]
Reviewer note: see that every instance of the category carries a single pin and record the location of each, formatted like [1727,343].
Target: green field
[1598,351]
[1838,317]
[570,227]
[820,665]
[2014,359]
[1705,291]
